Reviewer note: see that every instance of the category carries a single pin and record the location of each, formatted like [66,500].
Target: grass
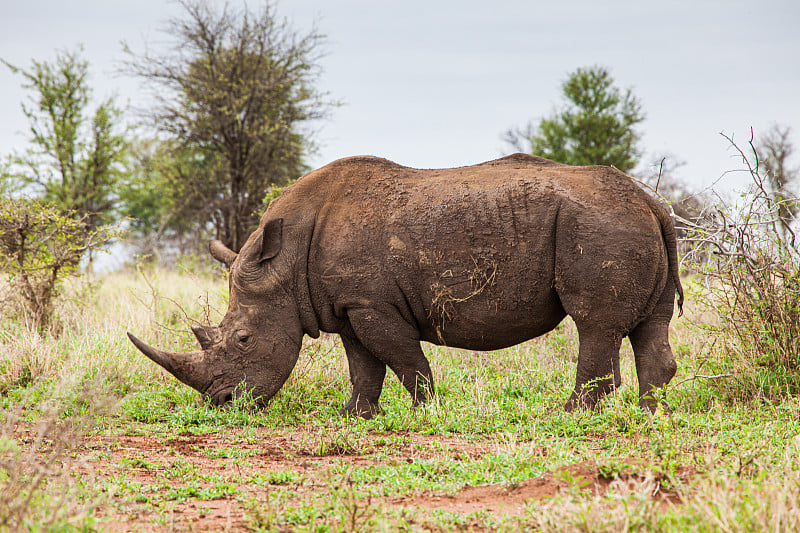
[140,448]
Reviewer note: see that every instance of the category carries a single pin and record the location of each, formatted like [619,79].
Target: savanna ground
[94,436]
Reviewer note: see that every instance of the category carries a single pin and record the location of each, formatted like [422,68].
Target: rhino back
[467,255]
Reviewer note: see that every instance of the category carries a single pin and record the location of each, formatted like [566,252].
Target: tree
[774,151]
[234,90]
[165,197]
[76,158]
[594,127]
[39,247]
[8,183]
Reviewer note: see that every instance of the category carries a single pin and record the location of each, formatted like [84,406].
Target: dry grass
[452,288]
[58,388]
[158,305]
[713,501]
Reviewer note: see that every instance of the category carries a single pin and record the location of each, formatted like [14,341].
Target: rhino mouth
[226,395]
[220,397]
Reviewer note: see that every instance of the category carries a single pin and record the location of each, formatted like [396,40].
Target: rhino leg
[389,338]
[598,366]
[655,363]
[366,375]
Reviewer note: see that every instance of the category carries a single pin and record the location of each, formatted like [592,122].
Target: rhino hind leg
[655,363]
[392,340]
[366,375]
[598,366]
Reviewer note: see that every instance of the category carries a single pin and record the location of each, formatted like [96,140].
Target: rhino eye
[242,338]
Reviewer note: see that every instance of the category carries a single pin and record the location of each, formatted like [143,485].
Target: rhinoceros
[479,257]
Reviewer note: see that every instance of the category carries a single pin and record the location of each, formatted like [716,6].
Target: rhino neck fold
[305,306]
[300,206]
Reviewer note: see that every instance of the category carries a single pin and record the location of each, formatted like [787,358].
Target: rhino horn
[205,336]
[190,368]
[222,253]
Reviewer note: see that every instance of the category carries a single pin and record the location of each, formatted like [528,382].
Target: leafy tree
[165,198]
[164,225]
[8,184]
[76,157]
[233,93]
[39,247]
[595,126]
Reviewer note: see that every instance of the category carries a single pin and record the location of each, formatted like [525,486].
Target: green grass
[497,419]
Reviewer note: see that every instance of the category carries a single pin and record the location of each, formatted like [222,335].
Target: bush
[749,260]
[39,248]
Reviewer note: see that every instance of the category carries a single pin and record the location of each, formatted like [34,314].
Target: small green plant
[273,192]
[39,247]
[282,477]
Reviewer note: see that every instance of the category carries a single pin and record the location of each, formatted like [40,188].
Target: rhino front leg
[366,374]
[388,337]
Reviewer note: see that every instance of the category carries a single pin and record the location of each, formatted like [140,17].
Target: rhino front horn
[189,368]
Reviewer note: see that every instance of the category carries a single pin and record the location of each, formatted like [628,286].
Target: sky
[430,83]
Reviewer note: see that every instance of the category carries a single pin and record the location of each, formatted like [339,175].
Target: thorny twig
[660,171]
[702,376]
[750,266]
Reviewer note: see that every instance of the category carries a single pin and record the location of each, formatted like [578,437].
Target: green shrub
[39,248]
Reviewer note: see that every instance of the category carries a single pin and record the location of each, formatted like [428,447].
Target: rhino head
[257,344]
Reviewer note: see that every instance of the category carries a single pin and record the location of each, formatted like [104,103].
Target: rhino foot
[362,408]
[584,402]
[589,394]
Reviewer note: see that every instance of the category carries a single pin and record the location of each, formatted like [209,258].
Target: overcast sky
[432,83]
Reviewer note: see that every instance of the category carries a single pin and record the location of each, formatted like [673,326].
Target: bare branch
[701,376]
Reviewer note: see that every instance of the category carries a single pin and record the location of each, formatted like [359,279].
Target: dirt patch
[495,499]
[510,500]
[182,472]
[179,483]
[216,515]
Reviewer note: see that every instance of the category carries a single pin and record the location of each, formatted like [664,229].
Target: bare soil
[151,462]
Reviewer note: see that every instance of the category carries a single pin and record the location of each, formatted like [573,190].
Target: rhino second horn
[222,253]
[204,336]
[190,368]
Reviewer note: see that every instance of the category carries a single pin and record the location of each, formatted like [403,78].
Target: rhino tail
[671,242]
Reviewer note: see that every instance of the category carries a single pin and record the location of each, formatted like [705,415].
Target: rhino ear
[222,253]
[271,239]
